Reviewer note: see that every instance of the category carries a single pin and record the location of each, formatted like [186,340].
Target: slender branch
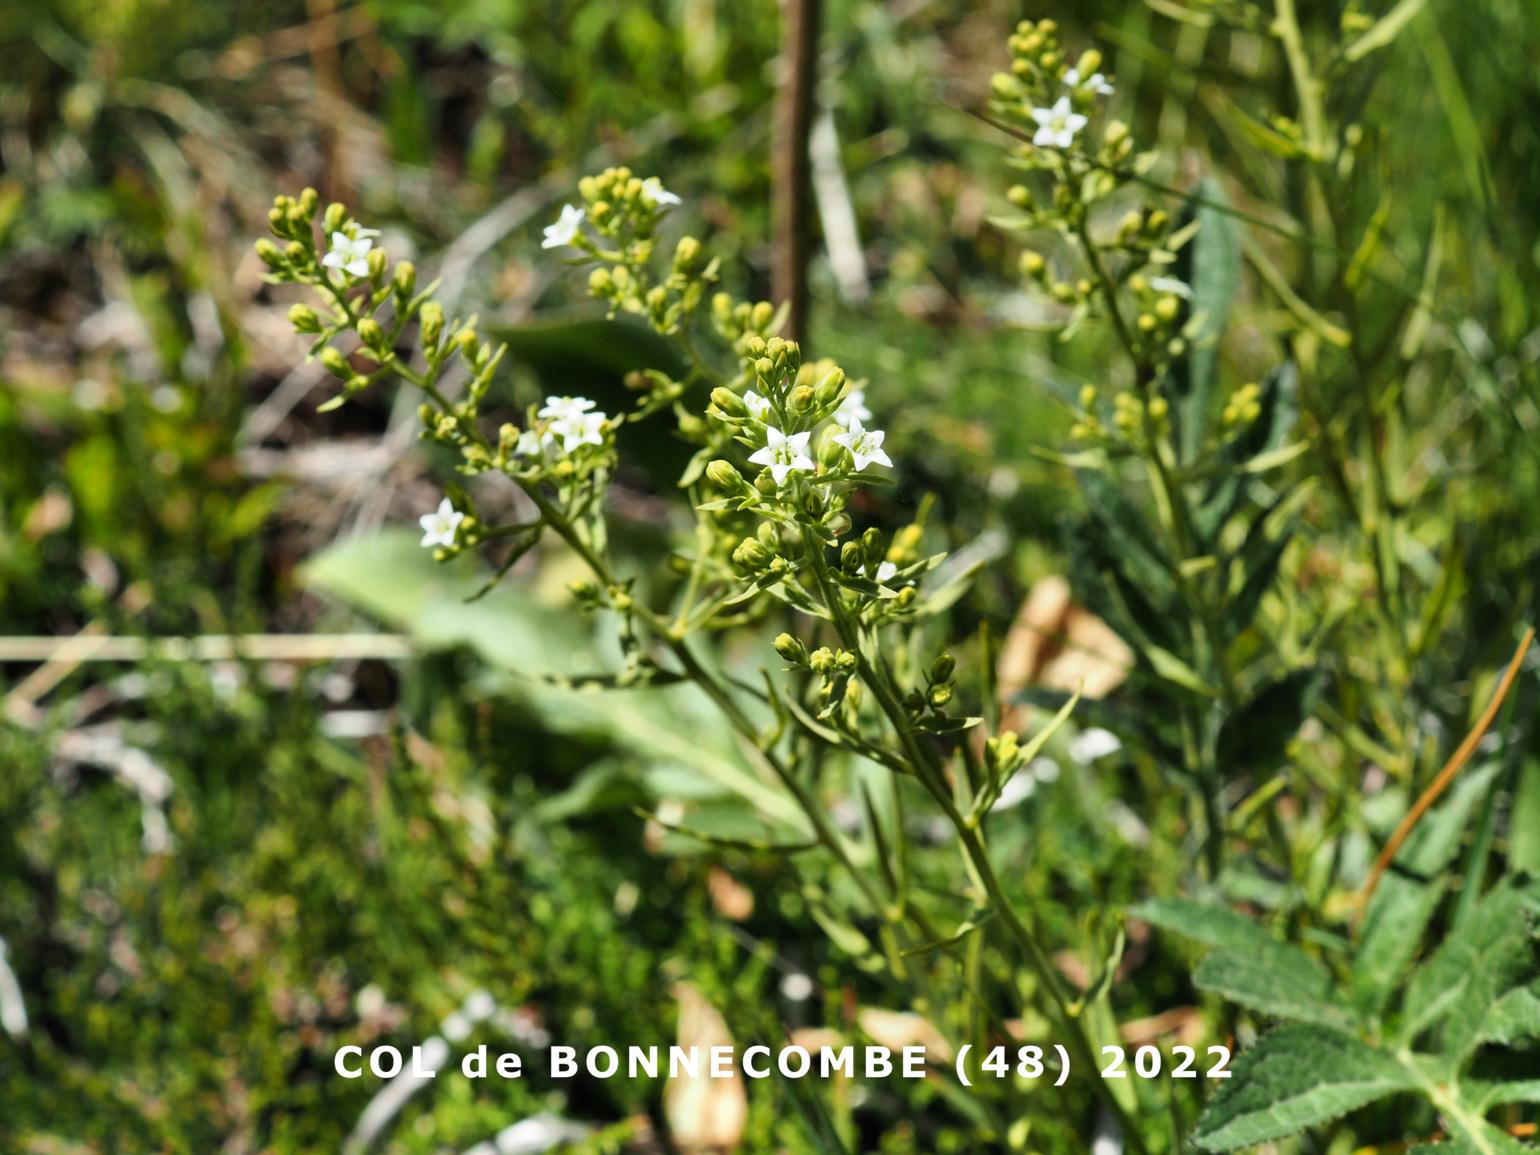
[792,199]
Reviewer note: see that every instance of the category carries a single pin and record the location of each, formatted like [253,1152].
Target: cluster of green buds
[617,225]
[1243,406]
[937,693]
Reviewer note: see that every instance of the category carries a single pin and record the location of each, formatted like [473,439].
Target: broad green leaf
[1513,1018]
[1297,1077]
[1461,984]
[1211,265]
[1214,926]
[1277,979]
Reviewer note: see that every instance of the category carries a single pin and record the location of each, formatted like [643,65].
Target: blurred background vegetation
[213,873]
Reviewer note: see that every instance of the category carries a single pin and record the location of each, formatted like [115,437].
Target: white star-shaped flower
[440,526]
[654,192]
[783,454]
[1097,83]
[350,254]
[758,407]
[853,409]
[886,572]
[579,429]
[565,408]
[865,445]
[1171,285]
[532,444]
[565,230]
[1057,126]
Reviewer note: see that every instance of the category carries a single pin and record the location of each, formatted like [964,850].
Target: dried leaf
[1058,644]
[705,1115]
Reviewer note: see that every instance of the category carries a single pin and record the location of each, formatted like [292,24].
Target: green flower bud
[336,217]
[335,363]
[371,333]
[791,649]
[432,318]
[939,696]
[1090,61]
[686,254]
[802,400]
[378,262]
[829,389]
[278,221]
[600,283]
[1019,195]
[761,315]
[303,318]
[941,669]
[404,281]
[838,523]
[1032,264]
[271,256]
[725,476]
[467,341]
[852,557]
[308,200]
[905,598]
[728,402]
[750,555]
[769,536]
[821,660]
[846,661]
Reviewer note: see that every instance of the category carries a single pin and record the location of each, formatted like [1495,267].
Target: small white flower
[350,254]
[653,191]
[1171,285]
[886,572]
[783,454]
[532,444]
[853,409]
[1089,745]
[1098,83]
[865,445]
[565,408]
[440,526]
[758,407]
[579,429]
[565,230]
[1057,126]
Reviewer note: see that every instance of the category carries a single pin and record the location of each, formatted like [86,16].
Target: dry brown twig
[1451,769]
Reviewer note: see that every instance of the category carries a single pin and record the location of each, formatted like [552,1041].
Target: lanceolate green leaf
[1211,265]
[1279,980]
[1296,1077]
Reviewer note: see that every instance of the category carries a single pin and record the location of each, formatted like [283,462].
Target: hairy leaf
[1296,1077]
[1277,979]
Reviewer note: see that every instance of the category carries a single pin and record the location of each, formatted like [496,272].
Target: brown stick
[1451,768]
[791,196]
